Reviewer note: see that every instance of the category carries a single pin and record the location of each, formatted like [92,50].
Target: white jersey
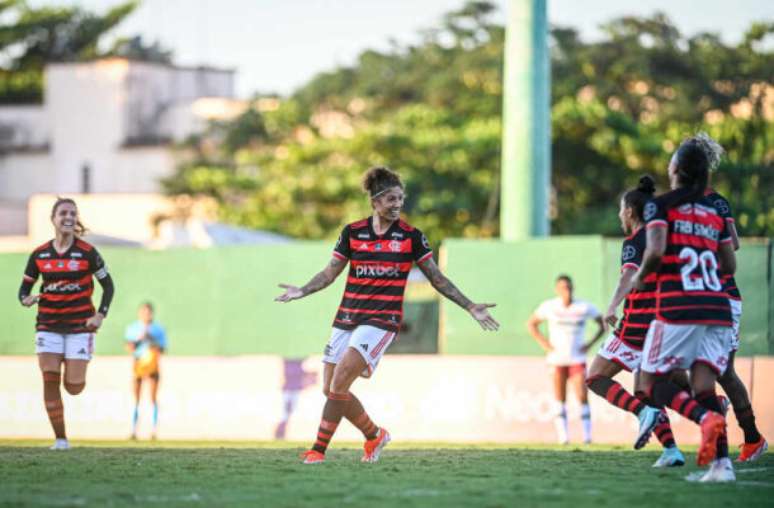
[566,328]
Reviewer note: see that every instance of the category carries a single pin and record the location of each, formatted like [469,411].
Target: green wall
[519,275]
[212,302]
[220,301]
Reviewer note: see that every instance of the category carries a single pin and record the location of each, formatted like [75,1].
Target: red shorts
[571,370]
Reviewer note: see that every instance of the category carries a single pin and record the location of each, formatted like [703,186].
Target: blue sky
[277,45]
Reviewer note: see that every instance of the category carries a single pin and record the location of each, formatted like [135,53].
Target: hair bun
[646,185]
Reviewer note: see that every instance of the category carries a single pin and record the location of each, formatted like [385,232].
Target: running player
[66,320]
[146,340]
[754,443]
[566,317]
[380,250]
[623,348]
[687,243]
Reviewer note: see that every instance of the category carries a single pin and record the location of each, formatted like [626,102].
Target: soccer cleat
[670,457]
[60,444]
[720,471]
[712,426]
[313,457]
[752,451]
[372,448]
[649,418]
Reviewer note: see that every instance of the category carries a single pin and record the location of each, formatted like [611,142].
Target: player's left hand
[481,314]
[291,293]
[94,322]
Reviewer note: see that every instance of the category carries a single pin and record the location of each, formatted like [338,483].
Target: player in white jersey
[566,349]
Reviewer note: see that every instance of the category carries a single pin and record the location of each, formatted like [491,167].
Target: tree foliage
[432,110]
[30,37]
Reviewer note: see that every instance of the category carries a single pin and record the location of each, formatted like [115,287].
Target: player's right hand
[30,300]
[291,293]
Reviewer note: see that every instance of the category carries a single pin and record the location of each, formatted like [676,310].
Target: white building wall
[23,174]
[140,169]
[86,103]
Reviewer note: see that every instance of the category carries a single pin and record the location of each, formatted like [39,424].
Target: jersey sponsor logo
[44,255]
[395,246]
[364,236]
[629,252]
[73,265]
[47,266]
[61,286]
[649,211]
[363,246]
[76,255]
[694,228]
[378,246]
[365,347]
[377,271]
[60,264]
[41,342]
[396,234]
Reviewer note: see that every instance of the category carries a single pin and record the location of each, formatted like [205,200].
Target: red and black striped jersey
[66,288]
[724,209]
[379,266]
[689,290]
[639,306]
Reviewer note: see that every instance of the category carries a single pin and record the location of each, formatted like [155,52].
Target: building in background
[106,132]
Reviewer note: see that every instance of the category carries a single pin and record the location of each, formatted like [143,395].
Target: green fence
[220,301]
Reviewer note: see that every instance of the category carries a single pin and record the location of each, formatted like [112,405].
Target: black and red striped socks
[356,414]
[333,412]
[615,394]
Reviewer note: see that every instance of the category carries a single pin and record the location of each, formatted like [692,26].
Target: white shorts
[616,350]
[369,341]
[736,316]
[74,346]
[670,347]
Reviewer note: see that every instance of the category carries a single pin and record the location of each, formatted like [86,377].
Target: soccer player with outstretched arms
[380,251]
[688,246]
[67,320]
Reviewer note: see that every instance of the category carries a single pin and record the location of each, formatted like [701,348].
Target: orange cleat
[752,451]
[313,457]
[712,426]
[372,448]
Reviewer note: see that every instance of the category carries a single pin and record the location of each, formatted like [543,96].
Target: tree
[432,110]
[31,37]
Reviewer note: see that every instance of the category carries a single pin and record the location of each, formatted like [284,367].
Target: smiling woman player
[66,319]
[380,250]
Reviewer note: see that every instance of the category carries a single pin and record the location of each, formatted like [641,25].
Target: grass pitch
[269,474]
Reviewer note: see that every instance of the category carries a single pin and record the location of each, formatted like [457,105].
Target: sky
[278,45]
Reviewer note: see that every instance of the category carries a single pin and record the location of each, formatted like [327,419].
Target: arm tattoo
[324,279]
[444,285]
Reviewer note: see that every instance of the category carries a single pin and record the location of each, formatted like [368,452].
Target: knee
[52,378]
[74,388]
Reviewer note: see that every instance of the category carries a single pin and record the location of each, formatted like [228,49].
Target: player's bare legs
[154,390]
[559,376]
[578,382]
[75,375]
[136,414]
[754,444]
[51,367]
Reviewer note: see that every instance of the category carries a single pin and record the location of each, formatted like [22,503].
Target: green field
[269,474]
